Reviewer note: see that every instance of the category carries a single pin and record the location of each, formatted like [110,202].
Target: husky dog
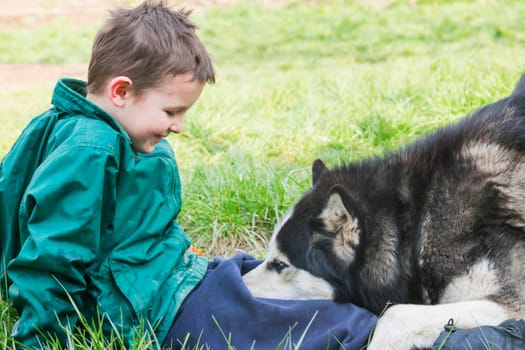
[436,229]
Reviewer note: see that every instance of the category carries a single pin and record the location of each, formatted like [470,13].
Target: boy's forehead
[180,90]
[177,81]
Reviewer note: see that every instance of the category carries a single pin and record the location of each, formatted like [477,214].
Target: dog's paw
[403,327]
[407,326]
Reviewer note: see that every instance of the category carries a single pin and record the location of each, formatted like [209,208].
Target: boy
[90,193]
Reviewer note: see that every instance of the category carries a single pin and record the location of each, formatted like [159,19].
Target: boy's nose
[176,127]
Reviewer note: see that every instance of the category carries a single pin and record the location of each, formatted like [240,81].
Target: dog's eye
[277,265]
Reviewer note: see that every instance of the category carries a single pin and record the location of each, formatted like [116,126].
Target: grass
[344,82]
[337,80]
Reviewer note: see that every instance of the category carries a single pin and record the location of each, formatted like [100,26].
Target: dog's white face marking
[277,278]
[480,281]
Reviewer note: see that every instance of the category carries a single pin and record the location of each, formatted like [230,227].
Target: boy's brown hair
[146,44]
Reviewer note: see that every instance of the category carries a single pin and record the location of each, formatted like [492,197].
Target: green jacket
[87,223]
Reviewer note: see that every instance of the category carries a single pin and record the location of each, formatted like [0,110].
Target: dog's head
[313,247]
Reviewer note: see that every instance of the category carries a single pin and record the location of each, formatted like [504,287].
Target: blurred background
[339,80]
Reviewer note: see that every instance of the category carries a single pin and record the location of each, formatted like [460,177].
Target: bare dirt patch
[17,14]
[16,77]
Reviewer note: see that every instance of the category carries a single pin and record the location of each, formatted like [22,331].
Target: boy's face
[152,115]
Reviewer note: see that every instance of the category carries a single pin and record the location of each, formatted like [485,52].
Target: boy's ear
[118,89]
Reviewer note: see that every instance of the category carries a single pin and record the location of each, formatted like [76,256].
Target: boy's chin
[144,148]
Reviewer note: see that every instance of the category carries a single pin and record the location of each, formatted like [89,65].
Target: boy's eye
[175,112]
[277,265]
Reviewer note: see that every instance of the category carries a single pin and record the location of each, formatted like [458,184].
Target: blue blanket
[221,312]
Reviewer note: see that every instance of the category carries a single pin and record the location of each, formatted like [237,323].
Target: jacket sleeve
[63,216]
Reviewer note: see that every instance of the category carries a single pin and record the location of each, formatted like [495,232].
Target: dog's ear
[520,87]
[318,168]
[338,218]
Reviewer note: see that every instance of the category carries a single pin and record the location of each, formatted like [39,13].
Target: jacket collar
[70,96]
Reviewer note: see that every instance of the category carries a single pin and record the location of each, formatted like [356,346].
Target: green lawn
[336,80]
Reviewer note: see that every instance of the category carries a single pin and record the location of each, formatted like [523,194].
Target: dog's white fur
[291,284]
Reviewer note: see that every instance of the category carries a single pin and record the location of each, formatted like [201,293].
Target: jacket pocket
[131,302]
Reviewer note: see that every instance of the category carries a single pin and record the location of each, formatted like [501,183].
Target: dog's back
[473,210]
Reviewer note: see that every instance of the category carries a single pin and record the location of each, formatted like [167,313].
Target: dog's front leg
[407,326]
[401,327]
